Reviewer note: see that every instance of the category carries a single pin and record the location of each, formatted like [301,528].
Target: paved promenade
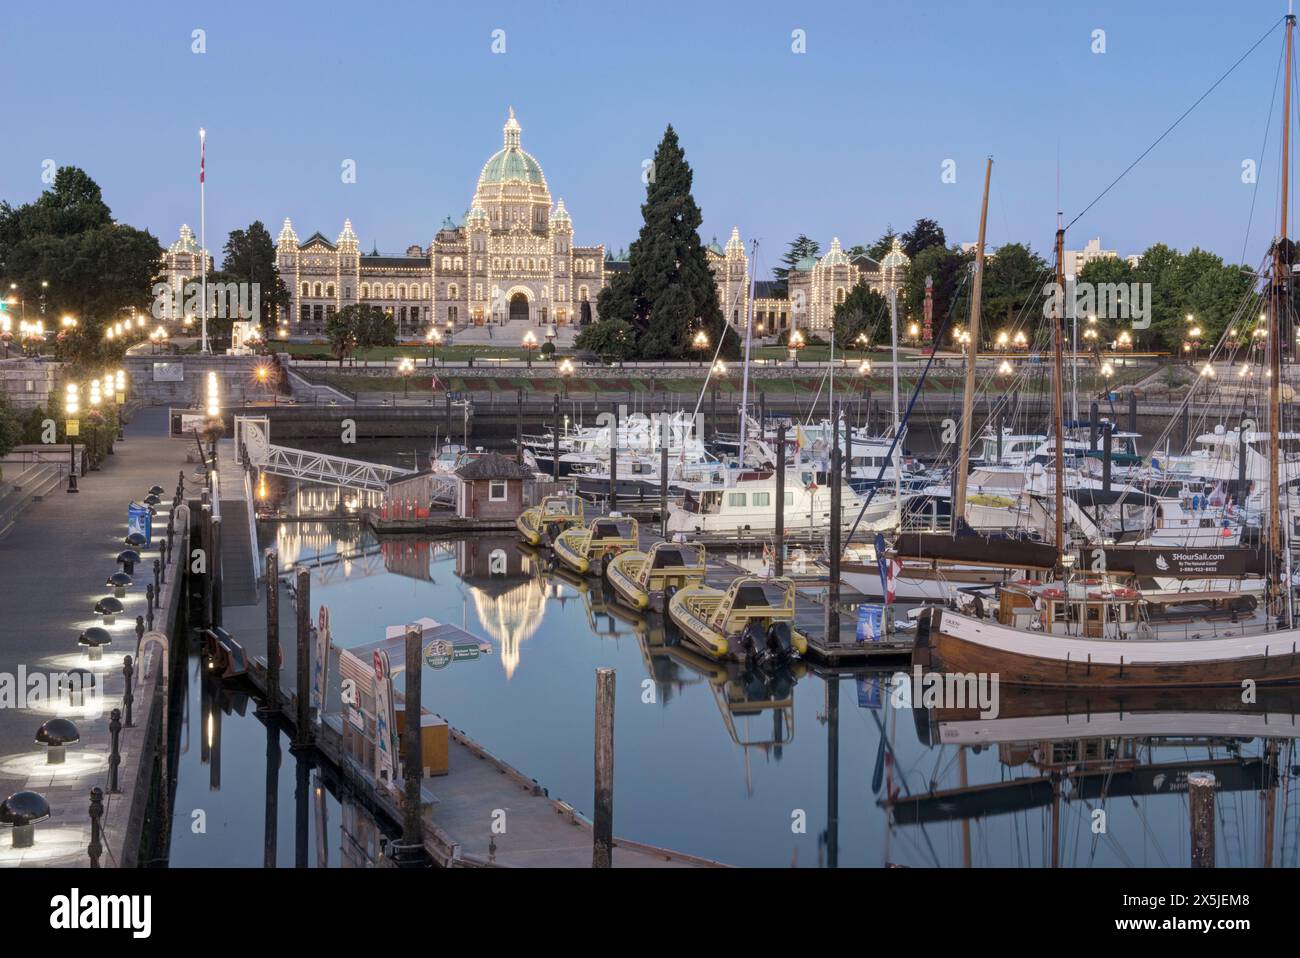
[53,564]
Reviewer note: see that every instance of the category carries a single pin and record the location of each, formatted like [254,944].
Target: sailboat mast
[893,342]
[972,356]
[749,337]
[1058,401]
[1281,281]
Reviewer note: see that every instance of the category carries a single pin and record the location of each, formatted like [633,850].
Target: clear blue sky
[839,141]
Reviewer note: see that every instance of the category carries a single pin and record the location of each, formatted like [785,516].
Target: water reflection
[806,767]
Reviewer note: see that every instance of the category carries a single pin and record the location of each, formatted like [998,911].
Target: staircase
[238,577]
[32,484]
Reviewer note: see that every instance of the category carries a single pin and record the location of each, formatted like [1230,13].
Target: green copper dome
[512,164]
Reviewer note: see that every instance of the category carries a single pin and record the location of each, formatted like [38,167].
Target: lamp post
[700,344]
[213,411]
[72,406]
[566,371]
[405,366]
[94,437]
[529,345]
[119,395]
[433,338]
[794,344]
[550,338]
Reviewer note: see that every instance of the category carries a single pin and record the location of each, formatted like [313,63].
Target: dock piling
[603,820]
[302,734]
[663,491]
[555,438]
[778,546]
[837,519]
[272,576]
[410,853]
[1200,799]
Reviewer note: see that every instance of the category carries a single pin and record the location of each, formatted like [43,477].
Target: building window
[582,293]
[453,314]
[318,289]
[365,290]
[306,289]
[453,291]
[347,292]
[478,265]
[304,313]
[388,292]
[446,262]
[459,264]
[329,290]
[318,314]
[497,490]
[426,290]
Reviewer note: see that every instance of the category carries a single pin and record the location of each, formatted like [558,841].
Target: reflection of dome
[510,614]
[511,163]
[896,258]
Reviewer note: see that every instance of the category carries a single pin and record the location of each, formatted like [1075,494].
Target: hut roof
[493,465]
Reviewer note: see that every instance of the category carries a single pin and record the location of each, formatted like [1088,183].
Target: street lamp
[405,366]
[700,344]
[71,406]
[1005,368]
[794,344]
[530,345]
[566,371]
[119,395]
[94,437]
[433,338]
[550,337]
[720,369]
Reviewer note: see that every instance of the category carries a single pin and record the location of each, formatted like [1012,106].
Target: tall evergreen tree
[250,258]
[668,290]
[800,249]
[883,245]
[923,234]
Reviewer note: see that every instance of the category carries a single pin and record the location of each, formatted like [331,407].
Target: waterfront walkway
[53,563]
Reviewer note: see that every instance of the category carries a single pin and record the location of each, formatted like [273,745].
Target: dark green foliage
[667,292]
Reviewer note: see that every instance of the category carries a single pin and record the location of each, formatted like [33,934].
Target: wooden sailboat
[1075,635]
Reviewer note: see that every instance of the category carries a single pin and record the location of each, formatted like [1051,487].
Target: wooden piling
[272,574]
[663,491]
[778,544]
[270,822]
[603,819]
[519,425]
[1200,800]
[302,681]
[413,764]
[555,439]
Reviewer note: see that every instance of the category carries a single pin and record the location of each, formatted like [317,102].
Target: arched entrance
[518,308]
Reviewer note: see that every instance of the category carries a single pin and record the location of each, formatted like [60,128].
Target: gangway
[253,445]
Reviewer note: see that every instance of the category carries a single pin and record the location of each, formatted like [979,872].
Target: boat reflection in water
[1093,753]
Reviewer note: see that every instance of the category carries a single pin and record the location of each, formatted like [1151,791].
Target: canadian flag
[893,567]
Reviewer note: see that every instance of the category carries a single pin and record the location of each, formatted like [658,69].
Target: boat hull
[622,575]
[954,643]
[697,629]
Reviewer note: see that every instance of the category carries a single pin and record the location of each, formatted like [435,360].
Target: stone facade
[510,261]
[29,383]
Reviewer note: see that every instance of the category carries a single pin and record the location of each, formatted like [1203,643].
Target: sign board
[438,654]
[74,428]
[1179,563]
[191,421]
[385,721]
[169,372]
[321,663]
[139,520]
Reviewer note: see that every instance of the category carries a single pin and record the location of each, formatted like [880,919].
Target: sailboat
[1078,632]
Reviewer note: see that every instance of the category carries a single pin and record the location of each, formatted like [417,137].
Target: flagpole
[203,243]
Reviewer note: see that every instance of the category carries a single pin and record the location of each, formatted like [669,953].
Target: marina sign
[1231,562]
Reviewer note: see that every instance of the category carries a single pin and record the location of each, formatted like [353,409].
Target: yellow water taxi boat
[549,518]
[646,579]
[605,538]
[752,619]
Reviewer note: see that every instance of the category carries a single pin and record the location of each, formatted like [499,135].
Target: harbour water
[748,770]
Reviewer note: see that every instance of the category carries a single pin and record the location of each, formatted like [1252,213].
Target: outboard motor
[780,645]
[751,640]
[553,531]
[605,560]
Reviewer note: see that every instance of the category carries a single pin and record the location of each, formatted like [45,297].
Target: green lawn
[418,352]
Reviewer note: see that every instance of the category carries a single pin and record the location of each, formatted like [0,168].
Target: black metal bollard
[114,756]
[128,697]
[139,632]
[157,573]
[96,813]
[162,567]
[148,598]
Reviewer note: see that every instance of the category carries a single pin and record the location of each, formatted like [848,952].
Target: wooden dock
[459,807]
